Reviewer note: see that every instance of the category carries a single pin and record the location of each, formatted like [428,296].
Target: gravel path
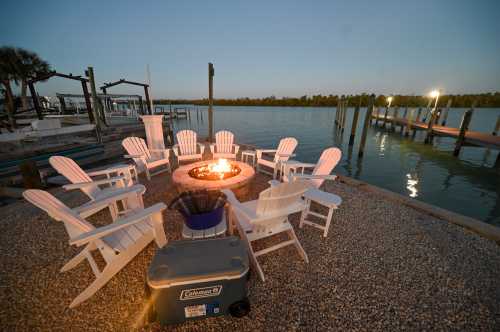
[382,267]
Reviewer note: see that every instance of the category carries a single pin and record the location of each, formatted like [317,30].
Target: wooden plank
[354,125]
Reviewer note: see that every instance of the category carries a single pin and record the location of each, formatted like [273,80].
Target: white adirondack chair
[267,216]
[224,146]
[81,180]
[118,243]
[282,153]
[146,158]
[321,170]
[187,146]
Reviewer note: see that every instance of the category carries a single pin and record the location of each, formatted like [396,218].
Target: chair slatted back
[326,163]
[224,141]
[137,146]
[282,199]
[187,140]
[68,168]
[287,146]
[74,224]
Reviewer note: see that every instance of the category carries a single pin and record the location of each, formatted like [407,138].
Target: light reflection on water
[468,185]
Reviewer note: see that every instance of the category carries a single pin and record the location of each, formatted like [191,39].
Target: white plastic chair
[321,170]
[81,180]
[224,146]
[267,216]
[118,243]
[145,158]
[282,153]
[187,146]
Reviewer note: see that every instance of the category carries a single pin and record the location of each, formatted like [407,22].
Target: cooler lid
[191,261]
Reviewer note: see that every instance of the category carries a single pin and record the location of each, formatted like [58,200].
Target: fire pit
[220,170]
[214,175]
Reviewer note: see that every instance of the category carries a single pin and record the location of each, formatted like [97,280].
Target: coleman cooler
[197,279]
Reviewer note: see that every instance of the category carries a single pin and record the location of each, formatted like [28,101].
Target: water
[469,185]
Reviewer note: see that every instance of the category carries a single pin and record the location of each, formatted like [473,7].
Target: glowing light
[411,186]
[434,94]
[222,166]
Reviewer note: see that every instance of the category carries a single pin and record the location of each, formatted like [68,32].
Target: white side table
[249,153]
[128,171]
[331,201]
[287,166]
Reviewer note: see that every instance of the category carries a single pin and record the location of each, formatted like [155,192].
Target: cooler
[195,279]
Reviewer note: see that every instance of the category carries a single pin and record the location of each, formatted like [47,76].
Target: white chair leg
[300,250]
[73,262]
[148,175]
[305,213]
[113,210]
[328,220]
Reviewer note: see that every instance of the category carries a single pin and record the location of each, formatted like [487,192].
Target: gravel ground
[382,267]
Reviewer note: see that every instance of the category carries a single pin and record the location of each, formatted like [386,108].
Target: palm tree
[18,65]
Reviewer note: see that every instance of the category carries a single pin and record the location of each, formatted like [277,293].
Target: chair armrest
[119,224]
[312,176]
[202,147]
[236,148]
[165,152]
[286,155]
[212,148]
[130,156]
[93,183]
[302,165]
[259,152]
[92,207]
[101,172]
[236,204]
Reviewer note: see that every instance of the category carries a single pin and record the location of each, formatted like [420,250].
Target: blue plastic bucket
[204,220]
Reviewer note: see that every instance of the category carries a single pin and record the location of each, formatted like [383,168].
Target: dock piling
[384,121]
[366,125]
[409,122]
[464,126]
[344,113]
[394,117]
[445,112]
[355,124]
[497,127]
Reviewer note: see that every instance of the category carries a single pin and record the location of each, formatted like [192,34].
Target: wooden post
[409,122]
[464,126]
[344,114]
[95,101]
[210,101]
[402,125]
[377,114]
[36,102]
[497,127]
[445,112]
[384,121]
[30,174]
[430,124]
[337,112]
[366,125]
[148,102]
[86,96]
[394,117]
[355,124]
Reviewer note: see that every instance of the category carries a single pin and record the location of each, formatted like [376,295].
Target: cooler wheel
[240,309]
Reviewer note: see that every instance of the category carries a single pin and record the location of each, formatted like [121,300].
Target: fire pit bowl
[237,178]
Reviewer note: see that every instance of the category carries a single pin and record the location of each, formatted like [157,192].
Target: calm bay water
[469,185]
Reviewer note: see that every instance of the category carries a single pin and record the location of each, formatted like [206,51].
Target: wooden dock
[471,138]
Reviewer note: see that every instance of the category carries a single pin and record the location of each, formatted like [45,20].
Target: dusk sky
[263,48]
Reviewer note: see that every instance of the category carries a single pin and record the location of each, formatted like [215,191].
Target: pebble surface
[383,267]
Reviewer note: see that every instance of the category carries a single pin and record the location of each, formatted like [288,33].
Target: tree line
[465,100]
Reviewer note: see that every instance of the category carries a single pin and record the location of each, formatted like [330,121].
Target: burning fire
[220,170]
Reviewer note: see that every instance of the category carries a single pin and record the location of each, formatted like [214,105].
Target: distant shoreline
[484,100]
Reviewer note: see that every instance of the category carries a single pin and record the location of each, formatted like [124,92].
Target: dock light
[389,99]
[435,94]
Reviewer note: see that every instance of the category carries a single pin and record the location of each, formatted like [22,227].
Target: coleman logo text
[198,293]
